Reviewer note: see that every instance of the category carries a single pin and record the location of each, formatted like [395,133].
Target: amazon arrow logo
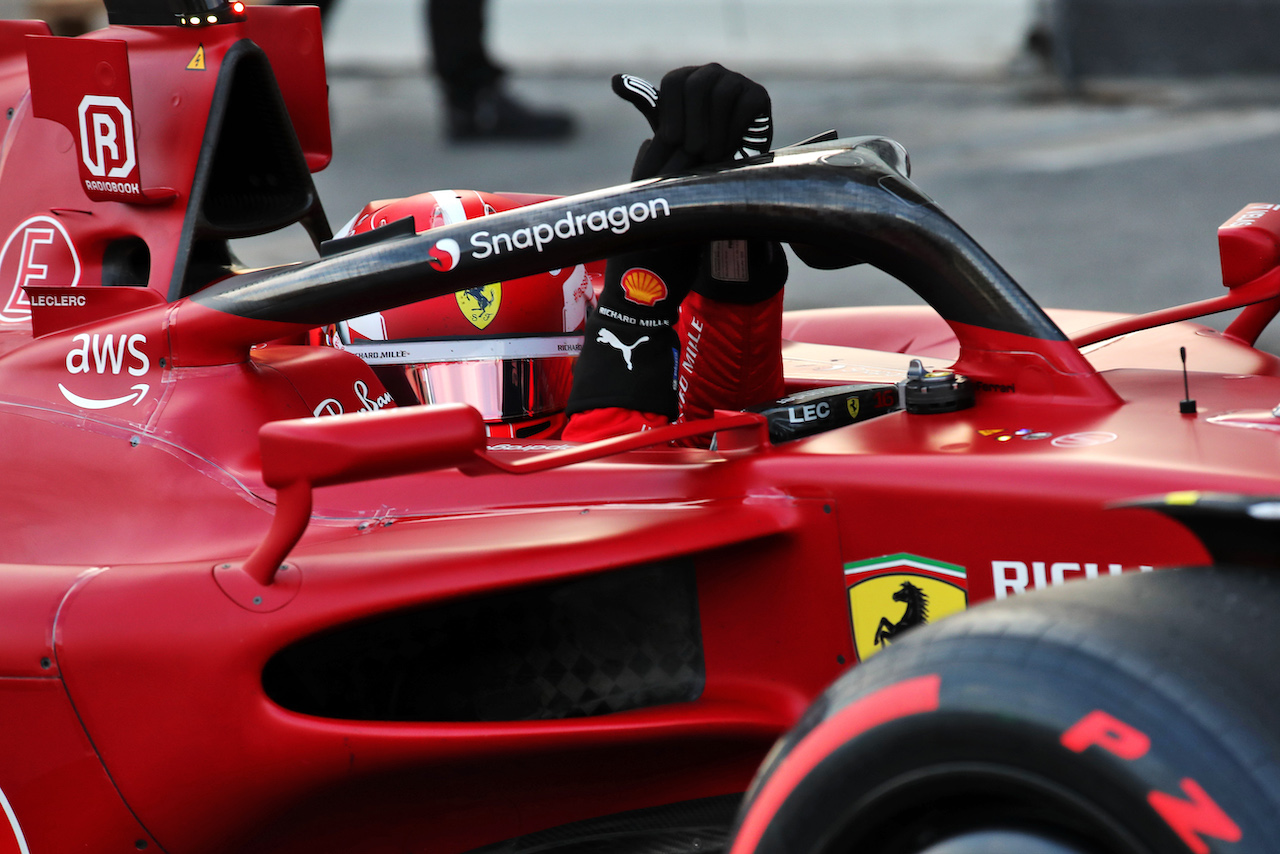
[139,392]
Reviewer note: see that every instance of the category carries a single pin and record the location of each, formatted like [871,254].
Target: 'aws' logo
[108,355]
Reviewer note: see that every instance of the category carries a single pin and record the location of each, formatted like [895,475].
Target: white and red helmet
[506,348]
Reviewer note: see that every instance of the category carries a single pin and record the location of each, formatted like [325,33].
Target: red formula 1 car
[227,624]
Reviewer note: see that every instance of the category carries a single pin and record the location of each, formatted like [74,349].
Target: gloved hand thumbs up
[641,94]
[700,115]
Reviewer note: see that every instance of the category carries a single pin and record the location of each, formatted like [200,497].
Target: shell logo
[643,287]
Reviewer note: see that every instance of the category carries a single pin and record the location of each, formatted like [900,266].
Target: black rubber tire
[1128,715]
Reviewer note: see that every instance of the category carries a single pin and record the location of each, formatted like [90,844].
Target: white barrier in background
[807,36]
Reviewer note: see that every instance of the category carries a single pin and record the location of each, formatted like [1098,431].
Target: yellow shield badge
[480,305]
[890,594]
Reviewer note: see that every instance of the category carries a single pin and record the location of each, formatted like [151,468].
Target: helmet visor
[504,378]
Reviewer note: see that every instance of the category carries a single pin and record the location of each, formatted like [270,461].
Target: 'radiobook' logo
[106,136]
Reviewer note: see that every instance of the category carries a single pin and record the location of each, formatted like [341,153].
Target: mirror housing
[303,453]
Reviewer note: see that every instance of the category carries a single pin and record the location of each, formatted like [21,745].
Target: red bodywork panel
[197,567]
[164,79]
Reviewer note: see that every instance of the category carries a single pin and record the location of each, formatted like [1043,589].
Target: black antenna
[1186,406]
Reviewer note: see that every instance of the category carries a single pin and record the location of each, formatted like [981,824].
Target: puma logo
[607,337]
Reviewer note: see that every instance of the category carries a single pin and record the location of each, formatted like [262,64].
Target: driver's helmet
[507,348]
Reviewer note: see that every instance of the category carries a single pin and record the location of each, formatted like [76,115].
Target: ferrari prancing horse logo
[890,594]
[480,305]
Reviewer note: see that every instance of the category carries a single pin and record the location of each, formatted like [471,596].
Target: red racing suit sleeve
[730,354]
[594,424]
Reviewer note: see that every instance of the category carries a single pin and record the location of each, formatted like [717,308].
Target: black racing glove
[708,114]
[701,115]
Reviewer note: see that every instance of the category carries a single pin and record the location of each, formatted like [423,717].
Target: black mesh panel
[606,643]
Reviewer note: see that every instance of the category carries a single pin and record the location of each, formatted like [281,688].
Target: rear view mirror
[303,453]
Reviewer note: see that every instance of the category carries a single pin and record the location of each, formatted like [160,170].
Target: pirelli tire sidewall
[1130,714]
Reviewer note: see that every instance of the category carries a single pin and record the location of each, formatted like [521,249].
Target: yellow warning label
[197,61]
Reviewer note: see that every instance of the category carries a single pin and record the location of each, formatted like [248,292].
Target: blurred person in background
[478,104]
